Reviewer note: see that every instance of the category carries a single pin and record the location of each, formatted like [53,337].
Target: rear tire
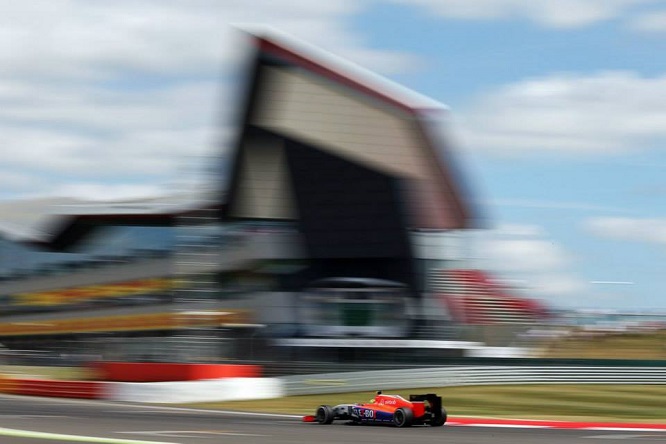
[324,414]
[439,420]
[403,417]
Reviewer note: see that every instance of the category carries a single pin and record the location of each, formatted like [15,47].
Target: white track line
[452,423]
[149,407]
[76,438]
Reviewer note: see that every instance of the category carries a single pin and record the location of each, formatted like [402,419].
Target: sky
[557,114]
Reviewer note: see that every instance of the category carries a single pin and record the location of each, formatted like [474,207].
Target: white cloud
[523,248]
[108,192]
[555,14]
[651,231]
[578,114]
[120,94]
[519,230]
[94,39]
[574,290]
[524,253]
[554,205]
[88,132]
[650,22]
[69,39]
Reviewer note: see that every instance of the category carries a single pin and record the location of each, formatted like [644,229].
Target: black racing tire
[439,420]
[324,414]
[403,417]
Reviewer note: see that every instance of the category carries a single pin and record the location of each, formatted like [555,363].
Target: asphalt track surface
[23,418]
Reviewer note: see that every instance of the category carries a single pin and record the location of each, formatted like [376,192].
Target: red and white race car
[388,409]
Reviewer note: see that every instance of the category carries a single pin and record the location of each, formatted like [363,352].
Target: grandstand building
[343,216]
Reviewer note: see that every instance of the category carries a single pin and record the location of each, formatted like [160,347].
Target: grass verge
[597,402]
[68,373]
[650,346]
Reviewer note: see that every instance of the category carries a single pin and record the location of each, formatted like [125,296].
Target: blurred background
[179,185]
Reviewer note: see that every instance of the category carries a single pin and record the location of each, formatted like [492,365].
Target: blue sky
[558,113]
[562,197]
[463,58]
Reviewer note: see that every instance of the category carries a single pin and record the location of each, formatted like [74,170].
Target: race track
[23,418]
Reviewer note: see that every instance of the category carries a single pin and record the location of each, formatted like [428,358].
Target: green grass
[598,402]
[630,403]
[618,346]
[68,373]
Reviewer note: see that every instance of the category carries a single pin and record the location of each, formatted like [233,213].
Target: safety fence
[208,390]
[244,388]
[53,388]
[342,382]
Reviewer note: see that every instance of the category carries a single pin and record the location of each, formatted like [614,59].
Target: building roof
[339,69]
[302,93]
[66,230]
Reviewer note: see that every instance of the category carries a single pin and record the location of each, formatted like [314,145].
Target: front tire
[324,414]
[403,417]
[439,420]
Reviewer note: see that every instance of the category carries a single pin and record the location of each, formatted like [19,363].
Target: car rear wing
[431,398]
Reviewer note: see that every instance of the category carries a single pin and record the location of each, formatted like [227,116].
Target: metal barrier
[342,382]
[54,388]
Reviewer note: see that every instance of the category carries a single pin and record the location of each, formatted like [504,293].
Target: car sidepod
[369,415]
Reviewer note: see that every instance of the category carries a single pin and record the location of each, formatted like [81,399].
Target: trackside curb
[546,424]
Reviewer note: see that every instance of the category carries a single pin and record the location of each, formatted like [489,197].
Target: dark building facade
[348,159]
[335,177]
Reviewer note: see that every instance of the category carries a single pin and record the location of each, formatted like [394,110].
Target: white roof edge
[16,233]
[346,68]
[149,205]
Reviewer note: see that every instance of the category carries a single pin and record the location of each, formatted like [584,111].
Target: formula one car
[388,409]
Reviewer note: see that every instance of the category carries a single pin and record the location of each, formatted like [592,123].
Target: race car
[387,409]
